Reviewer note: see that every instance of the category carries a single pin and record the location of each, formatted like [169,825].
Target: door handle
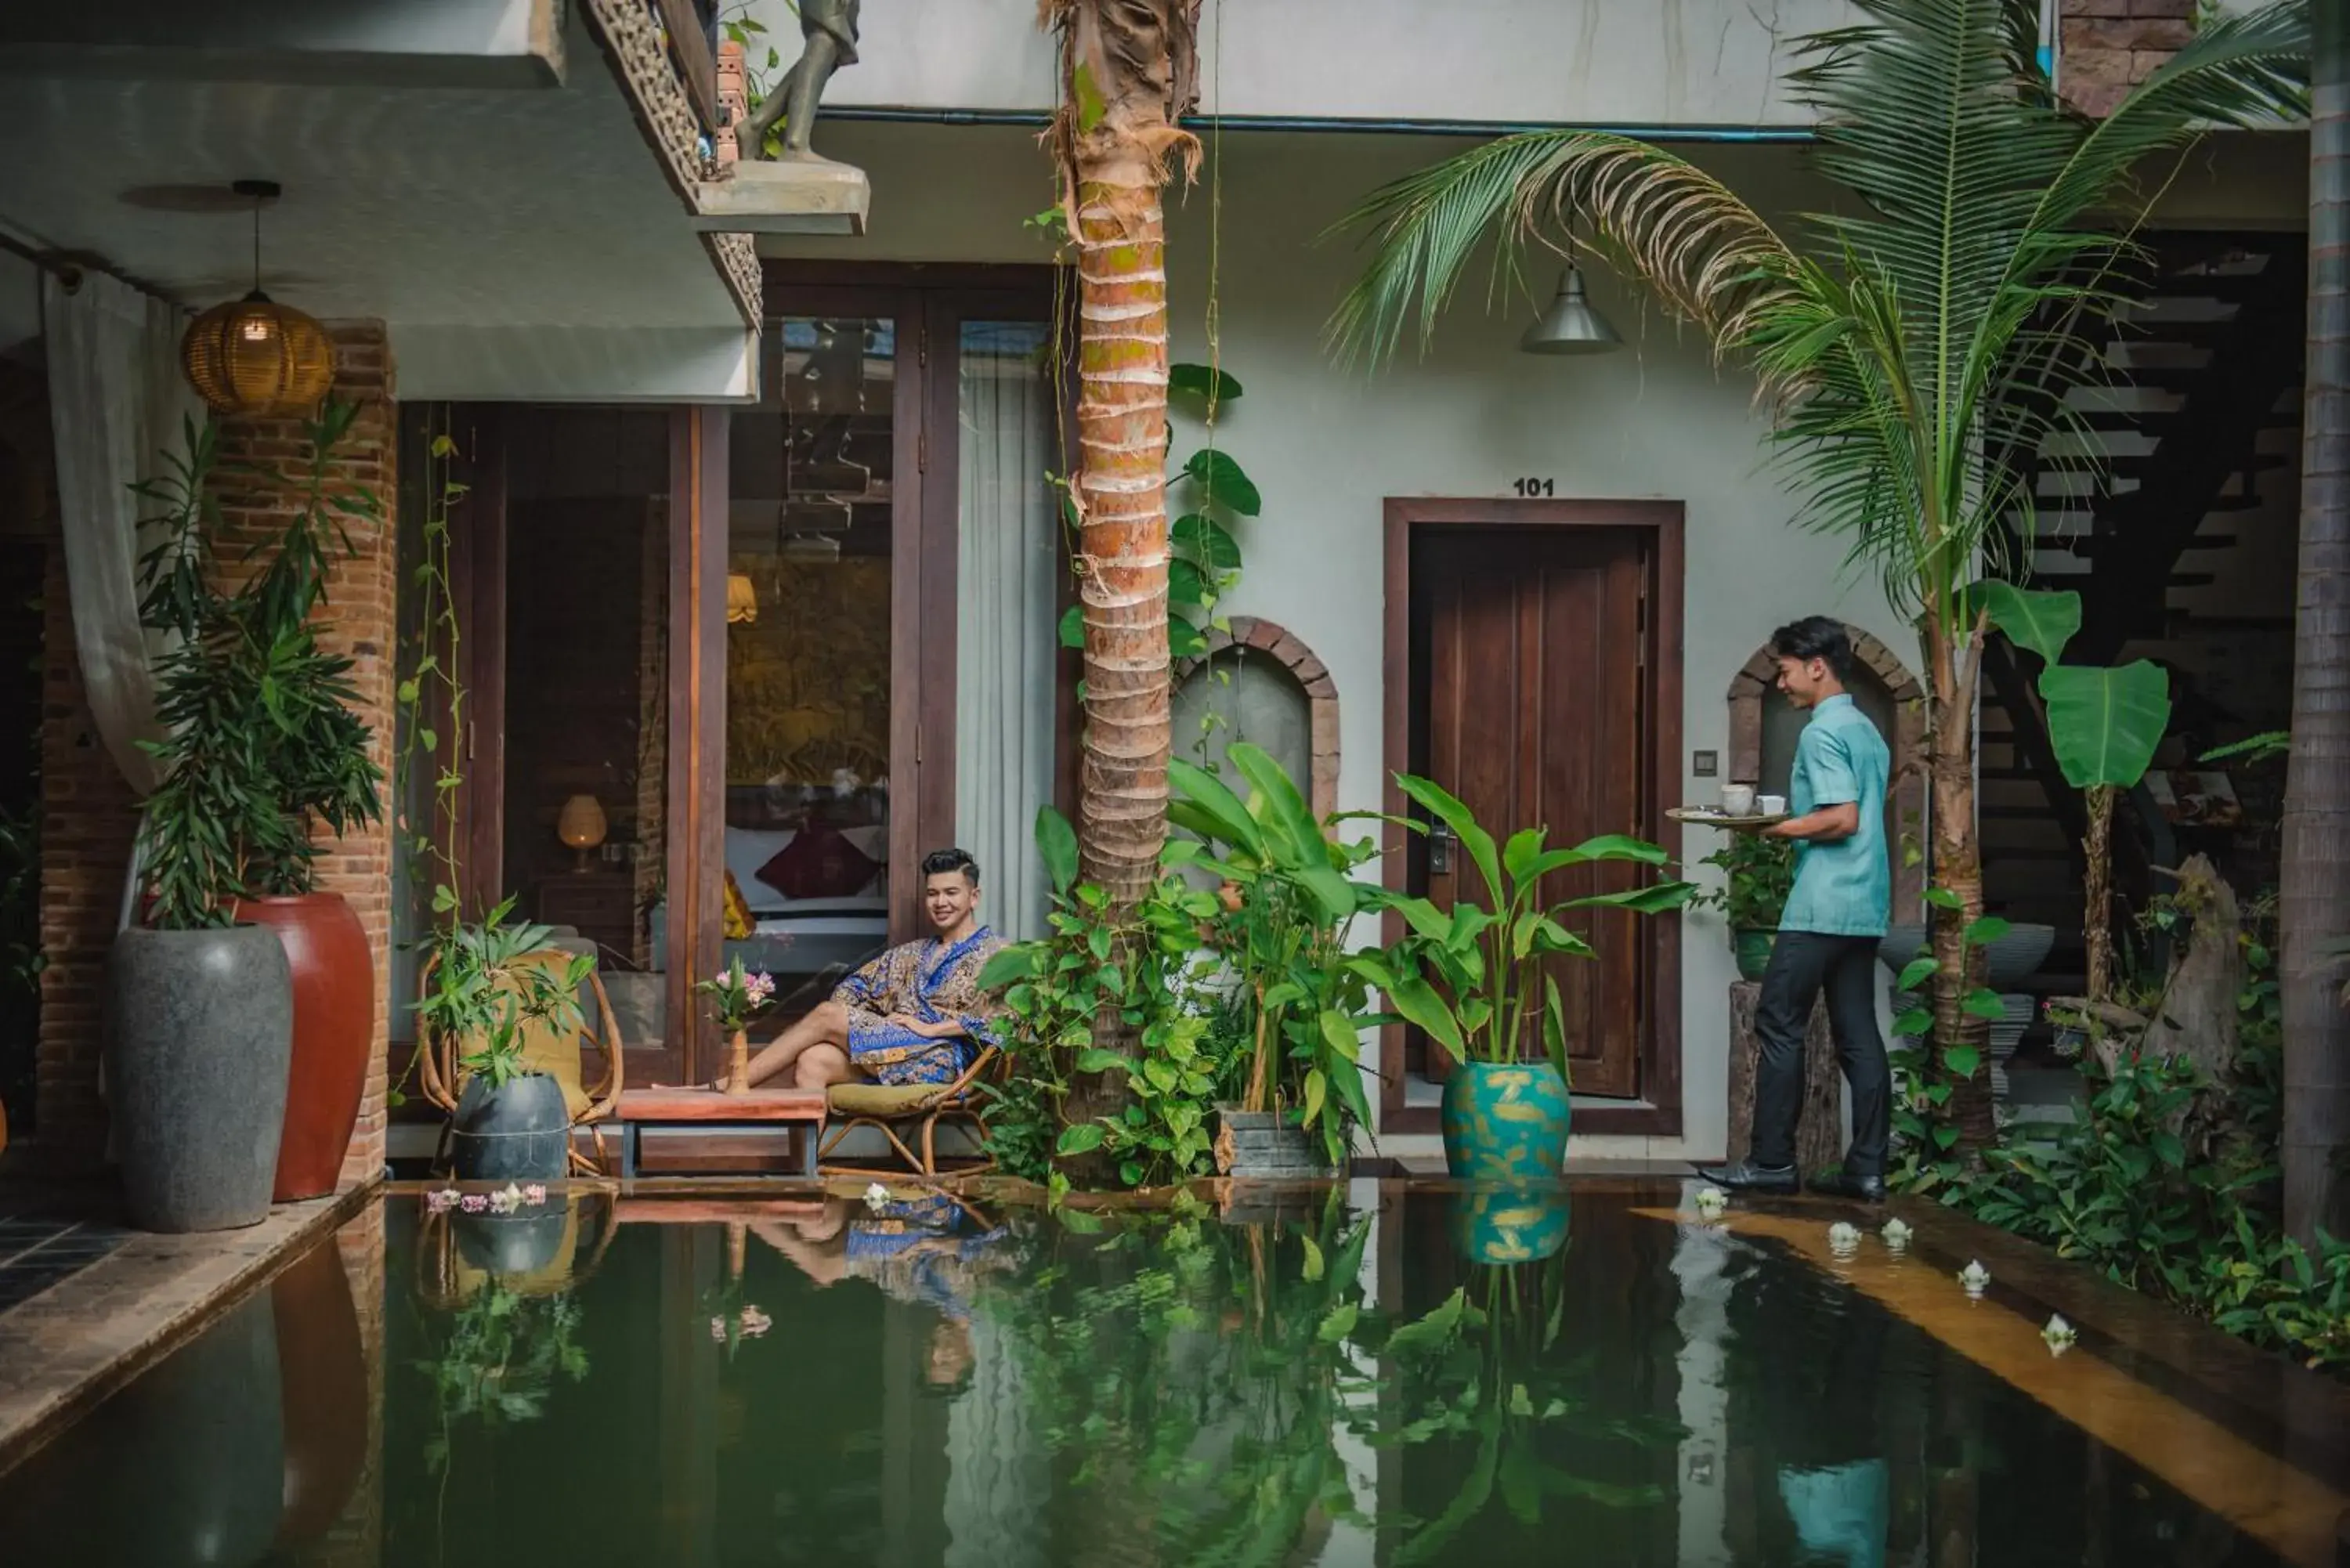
[1441,843]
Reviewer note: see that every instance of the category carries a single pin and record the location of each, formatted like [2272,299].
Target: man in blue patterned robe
[913,1015]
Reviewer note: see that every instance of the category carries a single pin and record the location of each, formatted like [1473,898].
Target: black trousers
[1803,964]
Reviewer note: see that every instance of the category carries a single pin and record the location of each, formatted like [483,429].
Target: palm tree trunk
[1129,70]
[2315,902]
[1957,866]
[2098,884]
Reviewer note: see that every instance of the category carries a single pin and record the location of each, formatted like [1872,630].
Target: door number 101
[1534,486]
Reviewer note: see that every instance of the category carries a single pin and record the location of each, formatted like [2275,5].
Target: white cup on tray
[1737,800]
[1770,804]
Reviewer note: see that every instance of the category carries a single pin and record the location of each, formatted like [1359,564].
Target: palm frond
[1708,256]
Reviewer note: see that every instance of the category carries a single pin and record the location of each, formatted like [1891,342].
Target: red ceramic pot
[322,1374]
[334,1025]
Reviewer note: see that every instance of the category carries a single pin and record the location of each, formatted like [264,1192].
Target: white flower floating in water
[877,1198]
[506,1200]
[1975,1277]
[1711,1201]
[1896,1234]
[442,1202]
[1843,1238]
[2059,1334]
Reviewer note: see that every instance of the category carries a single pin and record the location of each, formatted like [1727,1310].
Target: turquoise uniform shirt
[1843,886]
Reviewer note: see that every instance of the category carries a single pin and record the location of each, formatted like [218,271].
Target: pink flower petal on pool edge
[474,1203]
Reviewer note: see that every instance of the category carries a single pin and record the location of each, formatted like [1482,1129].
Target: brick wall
[2107,47]
[89,816]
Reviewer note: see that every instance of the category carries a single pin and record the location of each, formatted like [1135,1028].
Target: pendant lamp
[1571,326]
[254,356]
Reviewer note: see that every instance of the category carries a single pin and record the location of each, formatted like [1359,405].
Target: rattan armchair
[918,1107]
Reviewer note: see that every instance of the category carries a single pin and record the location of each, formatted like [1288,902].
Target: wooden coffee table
[800,1110]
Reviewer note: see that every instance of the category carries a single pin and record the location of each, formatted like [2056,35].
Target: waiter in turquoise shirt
[1829,931]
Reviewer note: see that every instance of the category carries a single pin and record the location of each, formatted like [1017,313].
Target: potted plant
[735,999]
[315,751]
[486,986]
[1283,916]
[1471,976]
[199,1006]
[497,1359]
[1758,874]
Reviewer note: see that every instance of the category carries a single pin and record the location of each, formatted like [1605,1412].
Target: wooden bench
[801,1111]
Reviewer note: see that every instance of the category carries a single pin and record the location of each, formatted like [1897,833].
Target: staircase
[2206,363]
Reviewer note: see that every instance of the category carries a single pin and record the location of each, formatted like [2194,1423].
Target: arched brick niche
[1882,682]
[1262,642]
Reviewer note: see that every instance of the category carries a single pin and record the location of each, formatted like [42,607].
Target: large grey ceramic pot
[2014,958]
[200,1028]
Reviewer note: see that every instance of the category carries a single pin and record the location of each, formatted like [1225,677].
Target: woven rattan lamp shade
[254,356]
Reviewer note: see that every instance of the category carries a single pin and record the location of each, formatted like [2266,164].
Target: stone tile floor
[39,1248]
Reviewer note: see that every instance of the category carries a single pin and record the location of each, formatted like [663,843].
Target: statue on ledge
[829,30]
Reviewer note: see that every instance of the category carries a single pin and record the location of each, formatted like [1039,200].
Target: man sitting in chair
[915,1014]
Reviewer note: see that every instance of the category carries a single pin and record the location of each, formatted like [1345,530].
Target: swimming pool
[1370,1376]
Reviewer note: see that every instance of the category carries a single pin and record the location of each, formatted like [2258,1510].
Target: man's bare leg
[826,1025]
[822,1067]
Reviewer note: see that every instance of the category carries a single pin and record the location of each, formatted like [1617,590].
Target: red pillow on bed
[818,863]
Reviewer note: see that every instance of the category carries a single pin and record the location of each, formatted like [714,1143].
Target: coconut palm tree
[1905,341]
[2314,907]
[1129,71]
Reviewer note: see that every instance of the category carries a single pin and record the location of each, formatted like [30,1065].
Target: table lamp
[581,825]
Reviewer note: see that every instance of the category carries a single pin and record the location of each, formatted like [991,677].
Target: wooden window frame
[1657,1113]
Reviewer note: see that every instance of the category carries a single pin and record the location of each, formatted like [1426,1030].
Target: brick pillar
[88,816]
[2107,47]
[358,620]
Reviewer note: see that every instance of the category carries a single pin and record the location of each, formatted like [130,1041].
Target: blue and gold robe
[935,980]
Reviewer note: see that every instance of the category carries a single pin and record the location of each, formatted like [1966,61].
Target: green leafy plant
[1914,336]
[1927,1136]
[2104,725]
[259,734]
[1058,989]
[1469,975]
[488,981]
[497,1359]
[1283,929]
[1758,874]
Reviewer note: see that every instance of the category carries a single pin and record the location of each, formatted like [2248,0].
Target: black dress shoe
[1844,1184]
[1745,1175]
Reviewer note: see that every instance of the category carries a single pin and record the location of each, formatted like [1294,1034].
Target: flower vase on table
[735,999]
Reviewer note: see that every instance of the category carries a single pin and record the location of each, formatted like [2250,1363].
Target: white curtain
[116,401]
[1005,618]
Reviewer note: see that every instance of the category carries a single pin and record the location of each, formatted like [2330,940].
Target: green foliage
[496,1360]
[489,982]
[2104,725]
[1758,874]
[1467,975]
[1281,930]
[259,732]
[1925,1136]
[1091,965]
[432,698]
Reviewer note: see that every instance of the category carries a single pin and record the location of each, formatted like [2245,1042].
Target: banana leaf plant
[1473,976]
[1285,926]
[2103,725]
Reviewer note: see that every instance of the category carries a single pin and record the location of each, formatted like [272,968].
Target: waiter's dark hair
[939,862]
[1816,637]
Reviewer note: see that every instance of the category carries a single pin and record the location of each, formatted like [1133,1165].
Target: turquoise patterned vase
[1505,1121]
[1503,1225]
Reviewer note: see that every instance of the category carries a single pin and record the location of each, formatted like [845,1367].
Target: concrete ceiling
[533,222]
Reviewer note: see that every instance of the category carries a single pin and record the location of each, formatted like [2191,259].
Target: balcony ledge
[784,198]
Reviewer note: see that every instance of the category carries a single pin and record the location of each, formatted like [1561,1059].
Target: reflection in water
[1367,1380]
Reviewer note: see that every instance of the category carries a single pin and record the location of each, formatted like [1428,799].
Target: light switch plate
[1705,765]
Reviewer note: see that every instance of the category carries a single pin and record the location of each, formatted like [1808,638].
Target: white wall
[1657,420]
[1327,447]
[1621,62]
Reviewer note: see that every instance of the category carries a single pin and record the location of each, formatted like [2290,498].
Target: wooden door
[1534,661]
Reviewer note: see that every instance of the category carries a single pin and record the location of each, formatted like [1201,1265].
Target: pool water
[1372,1376]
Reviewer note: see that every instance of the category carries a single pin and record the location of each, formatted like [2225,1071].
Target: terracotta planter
[334,1028]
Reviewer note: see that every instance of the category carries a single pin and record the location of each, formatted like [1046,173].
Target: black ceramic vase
[519,1131]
